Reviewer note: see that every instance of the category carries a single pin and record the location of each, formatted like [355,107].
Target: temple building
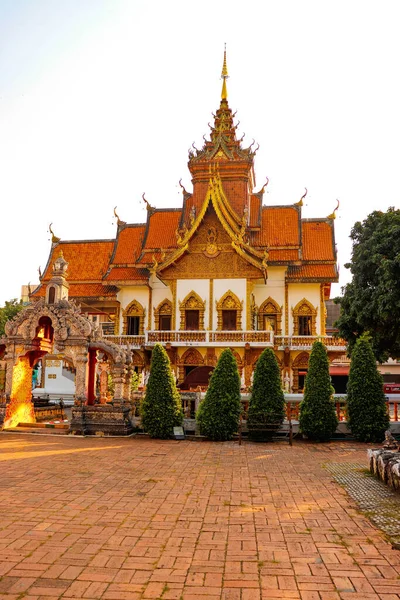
[223,270]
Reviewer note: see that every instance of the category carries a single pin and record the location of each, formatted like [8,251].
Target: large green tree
[161,407]
[218,414]
[371,302]
[8,311]
[366,407]
[318,420]
[267,402]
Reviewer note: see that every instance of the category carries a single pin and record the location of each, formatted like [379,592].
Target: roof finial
[333,215]
[224,76]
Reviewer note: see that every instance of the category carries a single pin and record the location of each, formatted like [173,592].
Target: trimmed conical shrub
[218,414]
[267,403]
[161,408]
[318,420]
[367,413]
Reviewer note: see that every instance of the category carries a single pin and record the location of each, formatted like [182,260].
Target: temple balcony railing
[261,339]
[133,341]
[305,342]
[210,338]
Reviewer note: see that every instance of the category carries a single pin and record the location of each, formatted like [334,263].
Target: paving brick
[201,521]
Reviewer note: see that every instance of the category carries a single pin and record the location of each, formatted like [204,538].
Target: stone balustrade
[226,338]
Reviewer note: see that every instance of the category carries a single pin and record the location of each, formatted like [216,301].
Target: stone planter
[101,420]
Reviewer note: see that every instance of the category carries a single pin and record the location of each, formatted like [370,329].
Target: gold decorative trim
[322,310]
[286,309]
[229,301]
[211,304]
[192,302]
[134,309]
[150,307]
[249,305]
[304,308]
[270,308]
[173,290]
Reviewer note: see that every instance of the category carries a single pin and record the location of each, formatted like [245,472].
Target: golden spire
[224,76]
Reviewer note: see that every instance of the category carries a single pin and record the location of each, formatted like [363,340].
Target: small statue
[390,442]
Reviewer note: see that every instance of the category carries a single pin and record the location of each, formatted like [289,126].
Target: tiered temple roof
[223,181]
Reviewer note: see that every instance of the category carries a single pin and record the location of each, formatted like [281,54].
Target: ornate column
[9,358]
[127,385]
[80,376]
[91,394]
[103,367]
[118,372]
[286,309]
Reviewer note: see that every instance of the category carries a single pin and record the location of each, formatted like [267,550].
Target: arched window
[192,312]
[133,317]
[163,316]
[229,312]
[52,294]
[270,316]
[44,330]
[304,318]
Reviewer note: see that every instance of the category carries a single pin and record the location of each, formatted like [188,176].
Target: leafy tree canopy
[371,302]
[8,311]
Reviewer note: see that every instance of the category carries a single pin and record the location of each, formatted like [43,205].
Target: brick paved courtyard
[140,519]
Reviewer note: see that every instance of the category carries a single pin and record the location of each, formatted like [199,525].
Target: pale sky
[100,101]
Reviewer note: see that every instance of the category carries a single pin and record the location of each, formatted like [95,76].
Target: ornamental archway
[188,362]
[59,329]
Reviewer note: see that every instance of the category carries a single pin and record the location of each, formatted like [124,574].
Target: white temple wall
[275,288]
[160,292]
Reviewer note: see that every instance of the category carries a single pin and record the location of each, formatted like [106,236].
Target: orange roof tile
[129,244]
[83,290]
[87,260]
[283,255]
[162,228]
[321,272]
[127,273]
[255,205]
[280,227]
[317,240]
[236,193]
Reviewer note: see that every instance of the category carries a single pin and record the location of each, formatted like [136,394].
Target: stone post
[80,377]
[103,382]
[118,372]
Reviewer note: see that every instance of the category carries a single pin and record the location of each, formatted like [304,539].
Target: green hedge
[367,413]
[267,402]
[318,420]
[161,408]
[218,414]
